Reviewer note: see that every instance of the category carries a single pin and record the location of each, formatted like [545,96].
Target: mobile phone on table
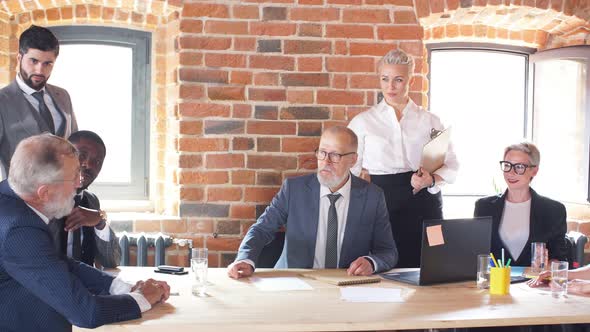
[170,269]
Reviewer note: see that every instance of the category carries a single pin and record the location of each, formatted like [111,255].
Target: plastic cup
[500,280]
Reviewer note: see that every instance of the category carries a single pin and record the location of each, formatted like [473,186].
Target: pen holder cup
[500,280]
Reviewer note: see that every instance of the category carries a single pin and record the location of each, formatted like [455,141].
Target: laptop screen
[450,248]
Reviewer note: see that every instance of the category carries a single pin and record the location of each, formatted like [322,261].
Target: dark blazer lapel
[356,207]
[533,218]
[312,199]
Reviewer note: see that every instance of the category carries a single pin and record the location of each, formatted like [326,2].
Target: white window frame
[140,43]
[573,52]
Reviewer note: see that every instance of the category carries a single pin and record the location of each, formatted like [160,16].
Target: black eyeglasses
[519,168]
[332,156]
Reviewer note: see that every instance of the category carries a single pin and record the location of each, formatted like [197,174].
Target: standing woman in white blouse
[391,136]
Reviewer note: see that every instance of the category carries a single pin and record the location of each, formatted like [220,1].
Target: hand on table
[154,291]
[578,287]
[541,280]
[360,267]
[239,270]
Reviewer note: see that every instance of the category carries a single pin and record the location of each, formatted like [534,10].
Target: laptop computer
[449,251]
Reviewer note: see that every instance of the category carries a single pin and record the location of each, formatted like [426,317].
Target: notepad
[340,277]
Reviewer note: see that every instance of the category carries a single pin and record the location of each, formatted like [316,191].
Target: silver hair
[38,160]
[353,143]
[527,147]
[397,57]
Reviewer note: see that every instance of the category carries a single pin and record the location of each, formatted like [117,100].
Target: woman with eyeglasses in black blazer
[520,215]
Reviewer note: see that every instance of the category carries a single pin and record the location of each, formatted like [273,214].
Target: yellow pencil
[494,259]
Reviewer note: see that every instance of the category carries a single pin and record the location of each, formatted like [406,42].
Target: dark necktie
[331,261]
[44,111]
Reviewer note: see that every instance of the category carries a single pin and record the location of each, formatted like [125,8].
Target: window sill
[142,206]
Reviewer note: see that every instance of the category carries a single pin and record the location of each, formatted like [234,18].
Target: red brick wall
[242,89]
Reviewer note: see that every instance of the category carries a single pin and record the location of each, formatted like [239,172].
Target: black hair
[38,38]
[89,135]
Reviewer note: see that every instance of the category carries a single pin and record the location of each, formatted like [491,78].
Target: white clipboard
[434,152]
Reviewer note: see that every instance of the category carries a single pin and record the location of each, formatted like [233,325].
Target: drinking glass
[483,271]
[199,264]
[537,257]
[559,279]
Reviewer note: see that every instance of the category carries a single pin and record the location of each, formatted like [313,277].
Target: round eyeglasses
[333,157]
[519,168]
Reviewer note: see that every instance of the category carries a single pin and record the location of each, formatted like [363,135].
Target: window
[481,94]
[494,97]
[107,73]
[561,122]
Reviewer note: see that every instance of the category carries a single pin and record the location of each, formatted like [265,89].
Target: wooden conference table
[234,305]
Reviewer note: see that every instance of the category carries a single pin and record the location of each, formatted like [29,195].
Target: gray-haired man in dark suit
[333,219]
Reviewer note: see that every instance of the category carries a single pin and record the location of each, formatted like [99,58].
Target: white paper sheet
[371,294]
[280,284]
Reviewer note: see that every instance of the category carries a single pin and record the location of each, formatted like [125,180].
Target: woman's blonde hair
[397,57]
[527,147]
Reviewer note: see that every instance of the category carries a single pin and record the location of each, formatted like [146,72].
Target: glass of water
[483,271]
[199,264]
[537,257]
[559,279]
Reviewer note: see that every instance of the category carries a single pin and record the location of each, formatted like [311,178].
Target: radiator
[143,242]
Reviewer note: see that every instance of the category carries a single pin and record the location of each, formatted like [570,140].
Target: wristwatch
[103,219]
[103,215]
[433,183]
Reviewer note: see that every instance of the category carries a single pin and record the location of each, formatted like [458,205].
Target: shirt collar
[344,191]
[41,215]
[24,87]
[410,107]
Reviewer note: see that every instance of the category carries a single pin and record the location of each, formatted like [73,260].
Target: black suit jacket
[547,224]
[93,249]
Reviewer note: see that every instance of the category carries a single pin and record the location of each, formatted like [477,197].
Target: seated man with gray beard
[333,219]
[41,290]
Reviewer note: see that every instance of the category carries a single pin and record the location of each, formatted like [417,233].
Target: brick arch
[541,24]
[161,18]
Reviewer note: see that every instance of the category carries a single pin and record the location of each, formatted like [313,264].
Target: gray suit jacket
[296,206]
[19,119]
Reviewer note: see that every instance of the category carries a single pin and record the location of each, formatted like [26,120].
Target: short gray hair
[38,160]
[397,57]
[347,131]
[527,147]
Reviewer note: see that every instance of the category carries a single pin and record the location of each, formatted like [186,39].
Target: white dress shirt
[319,258]
[118,286]
[515,226]
[28,92]
[103,234]
[389,146]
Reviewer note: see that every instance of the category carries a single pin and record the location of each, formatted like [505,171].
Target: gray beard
[331,183]
[58,209]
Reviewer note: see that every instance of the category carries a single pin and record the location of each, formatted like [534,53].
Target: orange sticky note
[434,235]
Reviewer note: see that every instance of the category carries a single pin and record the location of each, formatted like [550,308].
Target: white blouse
[389,146]
[515,226]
